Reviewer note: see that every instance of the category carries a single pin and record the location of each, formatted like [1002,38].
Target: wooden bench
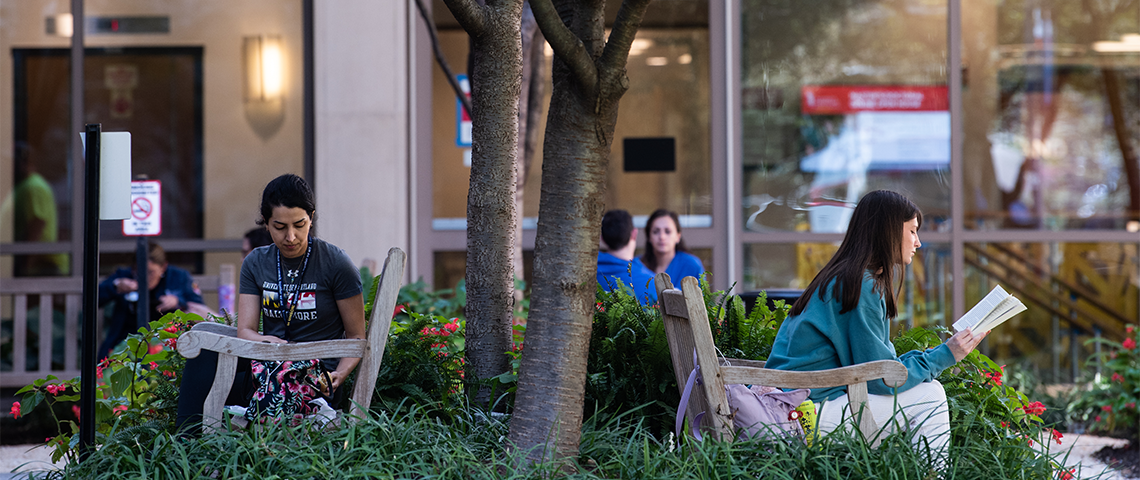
[223,339]
[687,329]
[55,349]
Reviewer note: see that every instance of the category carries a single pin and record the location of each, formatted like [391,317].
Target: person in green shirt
[843,318]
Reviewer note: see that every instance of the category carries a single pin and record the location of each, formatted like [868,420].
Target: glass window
[1073,291]
[1050,90]
[840,99]
[924,296]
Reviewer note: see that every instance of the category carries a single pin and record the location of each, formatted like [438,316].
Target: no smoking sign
[146,209]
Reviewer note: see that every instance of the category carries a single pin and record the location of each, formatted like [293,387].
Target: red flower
[119,409]
[1128,344]
[171,342]
[1116,377]
[1005,424]
[55,389]
[1035,408]
[168,373]
[154,349]
[452,326]
[1107,408]
[1057,436]
[1097,419]
[1129,329]
[1067,474]
[16,409]
[75,410]
[600,308]
[399,309]
[995,377]
[172,329]
[153,366]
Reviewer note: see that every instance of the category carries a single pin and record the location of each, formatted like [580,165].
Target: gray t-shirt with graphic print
[329,276]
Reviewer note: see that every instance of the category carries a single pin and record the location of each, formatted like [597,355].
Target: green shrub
[1109,406]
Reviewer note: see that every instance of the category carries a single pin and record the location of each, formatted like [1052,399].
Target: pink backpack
[757,410]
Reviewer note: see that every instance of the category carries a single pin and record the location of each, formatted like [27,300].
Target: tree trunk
[530,113]
[589,79]
[496,75]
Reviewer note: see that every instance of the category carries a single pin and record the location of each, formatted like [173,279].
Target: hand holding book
[995,309]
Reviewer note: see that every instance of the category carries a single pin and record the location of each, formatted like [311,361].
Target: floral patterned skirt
[284,389]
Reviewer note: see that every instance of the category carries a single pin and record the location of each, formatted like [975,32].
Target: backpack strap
[694,379]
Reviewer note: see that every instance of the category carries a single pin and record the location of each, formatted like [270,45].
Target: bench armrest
[191,344]
[892,372]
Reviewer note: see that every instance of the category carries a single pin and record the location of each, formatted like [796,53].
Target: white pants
[922,408]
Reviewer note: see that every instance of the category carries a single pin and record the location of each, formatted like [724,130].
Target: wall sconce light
[263,88]
[264,61]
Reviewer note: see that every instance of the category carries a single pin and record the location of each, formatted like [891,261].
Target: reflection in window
[1049,96]
[838,100]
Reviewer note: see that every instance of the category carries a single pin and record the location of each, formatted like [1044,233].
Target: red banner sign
[841,99]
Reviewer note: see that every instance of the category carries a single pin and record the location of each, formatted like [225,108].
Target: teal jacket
[820,338]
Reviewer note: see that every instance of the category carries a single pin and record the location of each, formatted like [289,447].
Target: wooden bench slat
[862,373]
[193,342]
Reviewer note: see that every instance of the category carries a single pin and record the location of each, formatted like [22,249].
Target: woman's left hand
[964,342]
[336,378]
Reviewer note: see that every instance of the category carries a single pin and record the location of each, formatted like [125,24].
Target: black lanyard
[286,303]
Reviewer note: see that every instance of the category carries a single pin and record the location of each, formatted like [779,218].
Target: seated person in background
[170,288]
[844,317]
[617,264]
[255,237]
[665,250]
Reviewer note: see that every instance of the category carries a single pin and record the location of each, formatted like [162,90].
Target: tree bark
[530,113]
[589,79]
[496,76]
[1128,153]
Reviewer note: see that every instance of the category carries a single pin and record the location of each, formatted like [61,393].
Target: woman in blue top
[665,250]
[843,318]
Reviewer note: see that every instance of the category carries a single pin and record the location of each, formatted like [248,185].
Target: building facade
[1014,126]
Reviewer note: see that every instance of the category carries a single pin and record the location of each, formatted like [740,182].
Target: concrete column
[362,125]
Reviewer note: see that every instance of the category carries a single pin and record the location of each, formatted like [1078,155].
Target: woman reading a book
[843,318]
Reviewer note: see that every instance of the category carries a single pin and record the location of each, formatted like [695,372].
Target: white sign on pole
[146,209]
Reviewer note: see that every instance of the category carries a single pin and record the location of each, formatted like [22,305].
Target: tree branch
[441,60]
[469,15]
[625,28]
[565,44]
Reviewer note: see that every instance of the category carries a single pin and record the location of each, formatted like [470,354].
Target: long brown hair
[649,258]
[873,243]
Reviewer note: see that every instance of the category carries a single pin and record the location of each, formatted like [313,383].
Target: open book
[995,309]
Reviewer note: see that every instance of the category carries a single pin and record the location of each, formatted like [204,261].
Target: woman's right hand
[964,342]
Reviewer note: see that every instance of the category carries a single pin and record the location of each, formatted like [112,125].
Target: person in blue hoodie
[844,318]
[665,249]
[617,266]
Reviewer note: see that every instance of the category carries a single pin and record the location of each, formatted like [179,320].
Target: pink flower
[119,409]
[154,349]
[1106,408]
[16,409]
[1097,418]
[451,327]
[1035,408]
[1131,405]
[1116,377]
[55,389]
[1129,329]
[172,328]
[1128,344]
[1057,436]
[260,395]
[154,365]
[75,410]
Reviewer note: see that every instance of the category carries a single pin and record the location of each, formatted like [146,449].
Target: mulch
[1124,459]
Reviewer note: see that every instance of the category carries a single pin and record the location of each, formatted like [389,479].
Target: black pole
[90,291]
[143,305]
